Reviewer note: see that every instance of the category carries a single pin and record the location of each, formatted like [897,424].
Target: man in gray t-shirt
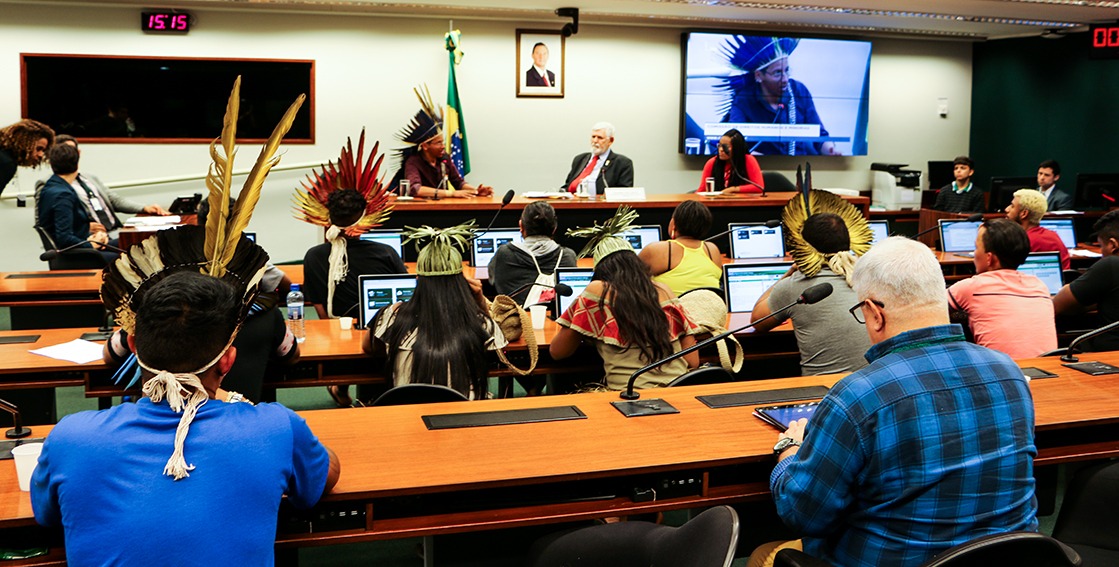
[829,338]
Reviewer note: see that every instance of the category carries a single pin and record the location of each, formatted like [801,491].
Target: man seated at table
[606,167]
[58,210]
[829,341]
[1026,209]
[929,446]
[427,167]
[961,195]
[1007,310]
[105,476]
[1048,173]
[1099,286]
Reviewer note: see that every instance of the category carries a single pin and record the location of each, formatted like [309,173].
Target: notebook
[958,236]
[391,237]
[745,283]
[377,291]
[642,235]
[1063,228]
[577,278]
[755,240]
[881,230]
[1047,267]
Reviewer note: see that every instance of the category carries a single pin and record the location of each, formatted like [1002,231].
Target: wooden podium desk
[405,480]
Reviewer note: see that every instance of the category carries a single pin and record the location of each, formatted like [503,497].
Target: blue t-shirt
[100,477]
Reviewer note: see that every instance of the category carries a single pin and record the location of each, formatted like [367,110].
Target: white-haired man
[1026,209]
[606,167]
[927,447]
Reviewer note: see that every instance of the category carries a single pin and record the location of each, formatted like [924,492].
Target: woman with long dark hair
[440,335]
[733,170]
[631,320]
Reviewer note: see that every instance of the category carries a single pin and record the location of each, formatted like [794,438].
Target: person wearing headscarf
[124,484]
[825,235]
[765,93]
[24,143]
[430,171]
[733,169]
[631,320]
[442,334]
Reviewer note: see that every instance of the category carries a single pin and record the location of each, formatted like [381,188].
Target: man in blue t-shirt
[105,476]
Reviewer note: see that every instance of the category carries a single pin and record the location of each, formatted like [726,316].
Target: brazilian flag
[454,124]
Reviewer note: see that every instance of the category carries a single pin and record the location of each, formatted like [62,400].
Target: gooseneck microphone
[808,297]
[561,288]
[1070,352]
[975,217]
[19,431]
[772,223]
[52,254]
[504,201]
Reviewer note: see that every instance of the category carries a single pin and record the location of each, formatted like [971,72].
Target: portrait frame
[527,77]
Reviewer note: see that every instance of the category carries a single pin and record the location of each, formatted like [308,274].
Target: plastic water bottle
[295,313]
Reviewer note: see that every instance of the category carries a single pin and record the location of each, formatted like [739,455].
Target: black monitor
[1002,191]
[941,173]
[1096,191]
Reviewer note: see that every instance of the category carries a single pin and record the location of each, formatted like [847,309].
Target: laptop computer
[1064,228]
[642,235]
[745,283]
[1047,267]
[578,279]
[250,235]
[391,237]
[377,291]
[749,240]
[881,230]
[485,246]
[958,236]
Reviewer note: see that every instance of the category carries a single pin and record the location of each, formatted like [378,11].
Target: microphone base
[18,434]
[641,408]
[1069,357]
[97,335]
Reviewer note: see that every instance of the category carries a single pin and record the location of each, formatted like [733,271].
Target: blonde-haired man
[1026,209]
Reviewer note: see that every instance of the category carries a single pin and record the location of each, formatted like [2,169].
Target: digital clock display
[1104,41]
[165,22]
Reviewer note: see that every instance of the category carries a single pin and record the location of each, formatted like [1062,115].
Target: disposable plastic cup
[26,457]
[346,323]
[538,313]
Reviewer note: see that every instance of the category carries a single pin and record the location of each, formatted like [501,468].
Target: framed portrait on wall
[540,58]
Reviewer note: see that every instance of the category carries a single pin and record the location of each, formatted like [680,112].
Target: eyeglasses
[856,311]
[725,147]
[777,74]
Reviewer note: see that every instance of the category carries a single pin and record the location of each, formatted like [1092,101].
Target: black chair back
[703,375]
[1089,516]
[1020,549]
[409,394]
[76,259]
[775,182]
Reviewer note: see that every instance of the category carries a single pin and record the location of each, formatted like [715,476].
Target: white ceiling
[950,19]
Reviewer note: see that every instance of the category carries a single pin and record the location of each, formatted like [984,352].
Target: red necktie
[586,171]
[545,77]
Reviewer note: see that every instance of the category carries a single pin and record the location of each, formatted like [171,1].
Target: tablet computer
[781,416]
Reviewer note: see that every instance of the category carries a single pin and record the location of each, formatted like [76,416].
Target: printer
[894,188]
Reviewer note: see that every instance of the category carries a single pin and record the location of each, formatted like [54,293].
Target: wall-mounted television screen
[786,95]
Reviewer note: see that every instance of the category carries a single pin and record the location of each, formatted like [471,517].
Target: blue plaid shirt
[929,446]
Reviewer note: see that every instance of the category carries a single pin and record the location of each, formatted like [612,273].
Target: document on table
[76,351]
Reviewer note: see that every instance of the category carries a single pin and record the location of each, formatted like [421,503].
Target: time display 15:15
[165,21]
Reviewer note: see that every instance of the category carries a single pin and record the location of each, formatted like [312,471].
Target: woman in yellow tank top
[686,262]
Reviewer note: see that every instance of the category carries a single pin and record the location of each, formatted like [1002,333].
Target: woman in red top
[744,174]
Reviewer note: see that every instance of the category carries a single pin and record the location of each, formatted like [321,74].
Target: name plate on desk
[625,193]
[763,397]
[504,417]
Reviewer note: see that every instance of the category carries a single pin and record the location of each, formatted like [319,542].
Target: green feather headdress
[603,238]
[809,260]
[220,249]
[443,254]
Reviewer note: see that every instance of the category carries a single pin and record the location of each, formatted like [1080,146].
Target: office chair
[408,394]
[775,182]
[1069,276]
[1021,549]
[702,375]
[707,540]
[1089,517]
[76,259]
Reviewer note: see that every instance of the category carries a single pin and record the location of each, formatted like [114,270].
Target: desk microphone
[975,217]
[1069,353]
[52,254]
[504,201]
[808,297]
[19,431]
[772,223]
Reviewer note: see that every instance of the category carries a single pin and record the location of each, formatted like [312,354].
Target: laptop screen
[755,240]
[958,235]
[250,235]
[1063,228]
[881,230]
[747,282]
[577,278]
[487,243]
[377,291]
[1047,267]
[390,237]
[642,236]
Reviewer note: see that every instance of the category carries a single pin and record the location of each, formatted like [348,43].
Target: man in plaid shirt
[929,446]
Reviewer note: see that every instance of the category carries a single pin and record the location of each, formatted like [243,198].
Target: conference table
[401,478]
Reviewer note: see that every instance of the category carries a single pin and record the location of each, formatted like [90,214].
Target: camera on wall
[573,27]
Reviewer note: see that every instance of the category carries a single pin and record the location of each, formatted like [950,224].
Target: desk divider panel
[763,397]
[505,417]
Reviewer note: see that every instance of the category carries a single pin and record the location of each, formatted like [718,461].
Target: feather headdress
[219,250]
[427,124]
[747,54]
[443,254]
[348,173]
[603,238]
[808,259]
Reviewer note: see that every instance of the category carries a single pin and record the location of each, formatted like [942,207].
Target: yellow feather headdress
[812,201]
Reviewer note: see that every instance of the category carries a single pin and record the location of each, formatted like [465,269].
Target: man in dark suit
[538,75]
[1048,173]
[607,168]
